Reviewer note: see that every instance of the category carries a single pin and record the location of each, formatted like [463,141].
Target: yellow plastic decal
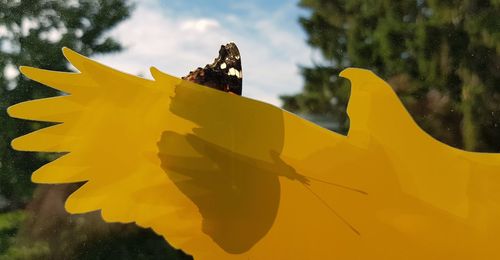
[226,177]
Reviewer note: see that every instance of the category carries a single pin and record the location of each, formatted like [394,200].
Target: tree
[32,32]
[442,58]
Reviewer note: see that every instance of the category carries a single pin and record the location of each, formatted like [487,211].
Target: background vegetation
[33,223]
[442,58]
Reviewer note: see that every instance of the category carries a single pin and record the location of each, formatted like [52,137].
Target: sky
[177,36]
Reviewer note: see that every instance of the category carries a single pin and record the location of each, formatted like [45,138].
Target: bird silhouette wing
[226,177]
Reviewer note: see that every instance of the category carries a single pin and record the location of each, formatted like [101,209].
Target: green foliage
[38,250]
[133,244]
[442,57]
[32,32]
[9,225]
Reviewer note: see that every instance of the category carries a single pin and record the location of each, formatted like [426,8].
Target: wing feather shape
[226,177]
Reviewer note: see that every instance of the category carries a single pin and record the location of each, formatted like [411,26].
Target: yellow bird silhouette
[226,177]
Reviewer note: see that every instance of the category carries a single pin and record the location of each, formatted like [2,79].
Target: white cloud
[3,31]
[10,72]
[177,44]
[199,25]
[53,35]
[27,24]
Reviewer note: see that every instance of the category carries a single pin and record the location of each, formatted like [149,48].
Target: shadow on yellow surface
[226,177]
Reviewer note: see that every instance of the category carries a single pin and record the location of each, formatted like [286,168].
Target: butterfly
[224,73]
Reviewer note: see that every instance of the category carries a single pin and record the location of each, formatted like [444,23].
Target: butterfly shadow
[237,196]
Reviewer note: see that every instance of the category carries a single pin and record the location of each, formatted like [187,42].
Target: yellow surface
[226,177]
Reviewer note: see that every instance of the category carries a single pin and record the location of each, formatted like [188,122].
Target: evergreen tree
[32,32]
[36,226]
[442,58]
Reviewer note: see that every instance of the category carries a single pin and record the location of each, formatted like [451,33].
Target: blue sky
[177,36]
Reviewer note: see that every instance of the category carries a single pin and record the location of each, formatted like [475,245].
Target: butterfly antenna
[333,211]
[338,185]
